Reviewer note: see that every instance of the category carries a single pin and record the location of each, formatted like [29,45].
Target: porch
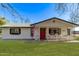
[54,34]
[60,38]
[59,34]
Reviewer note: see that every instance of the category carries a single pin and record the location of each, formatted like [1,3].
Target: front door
[42,33]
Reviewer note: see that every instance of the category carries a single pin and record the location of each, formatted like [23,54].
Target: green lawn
[32,48]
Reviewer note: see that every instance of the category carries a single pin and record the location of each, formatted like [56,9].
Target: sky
[34,12]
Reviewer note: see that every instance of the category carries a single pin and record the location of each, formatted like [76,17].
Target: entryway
[42,33]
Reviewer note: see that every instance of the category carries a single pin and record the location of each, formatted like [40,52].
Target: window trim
[32,32]
[58,31]
[19,29]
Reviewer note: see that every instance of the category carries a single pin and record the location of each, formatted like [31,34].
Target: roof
[16,25]
[55,18]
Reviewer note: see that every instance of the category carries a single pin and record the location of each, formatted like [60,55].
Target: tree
[2,21]
[72,8]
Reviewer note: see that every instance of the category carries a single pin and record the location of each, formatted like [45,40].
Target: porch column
[47,33]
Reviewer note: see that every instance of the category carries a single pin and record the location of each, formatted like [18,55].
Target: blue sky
[35,12]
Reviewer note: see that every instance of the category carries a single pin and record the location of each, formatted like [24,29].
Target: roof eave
[54,18]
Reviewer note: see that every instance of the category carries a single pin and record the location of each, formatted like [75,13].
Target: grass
[33,48]
[76,37]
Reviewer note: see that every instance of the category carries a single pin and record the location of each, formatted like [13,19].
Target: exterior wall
[63,33]
[36,33]
[49,24]
[25,34]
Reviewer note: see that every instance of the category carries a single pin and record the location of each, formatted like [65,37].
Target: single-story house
[50,29]
[54,28]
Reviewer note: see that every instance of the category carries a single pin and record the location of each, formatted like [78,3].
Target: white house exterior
[50,29]
[53,29]
[19,31]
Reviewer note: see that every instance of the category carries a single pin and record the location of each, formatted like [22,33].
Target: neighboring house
[76,33]
[50,29]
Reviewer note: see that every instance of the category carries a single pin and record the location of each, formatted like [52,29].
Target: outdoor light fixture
[53,21]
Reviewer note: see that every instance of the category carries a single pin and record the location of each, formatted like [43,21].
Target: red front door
[42,33]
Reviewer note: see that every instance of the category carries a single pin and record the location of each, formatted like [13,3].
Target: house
[53,29]
[15,31]
[50,29]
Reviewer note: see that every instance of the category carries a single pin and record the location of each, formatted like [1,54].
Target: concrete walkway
[73,41]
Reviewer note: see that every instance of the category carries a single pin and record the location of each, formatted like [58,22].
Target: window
[53,31]
[15,31]
[68,31]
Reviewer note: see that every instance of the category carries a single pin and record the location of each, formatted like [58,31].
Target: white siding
[25,34]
